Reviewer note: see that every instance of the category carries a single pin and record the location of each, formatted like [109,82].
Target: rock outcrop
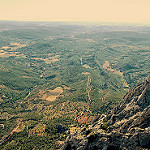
[126,127]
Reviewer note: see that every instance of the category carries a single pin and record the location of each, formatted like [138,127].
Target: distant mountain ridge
[126,127]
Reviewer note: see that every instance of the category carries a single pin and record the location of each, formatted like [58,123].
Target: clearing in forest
[51,95]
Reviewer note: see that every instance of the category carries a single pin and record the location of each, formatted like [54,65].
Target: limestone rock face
[126,127]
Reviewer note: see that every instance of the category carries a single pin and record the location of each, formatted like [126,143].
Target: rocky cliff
[126,127]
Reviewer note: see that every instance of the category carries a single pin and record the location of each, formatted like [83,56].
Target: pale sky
[133,11]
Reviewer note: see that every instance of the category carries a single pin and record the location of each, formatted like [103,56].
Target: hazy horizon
[82,23]
[104,11]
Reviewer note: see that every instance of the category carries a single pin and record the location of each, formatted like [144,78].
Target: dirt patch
[90,40]
[2,86]
[38,58]
[26,77]
[52,59]
[8,54]
[86,119]
[86,66]
[2,125]
[5,47]
[85,73]
[16,44]
[81,61]
[56,91]
[51,98]
[49,60]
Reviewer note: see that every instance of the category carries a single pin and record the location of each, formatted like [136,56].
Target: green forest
[56,78]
